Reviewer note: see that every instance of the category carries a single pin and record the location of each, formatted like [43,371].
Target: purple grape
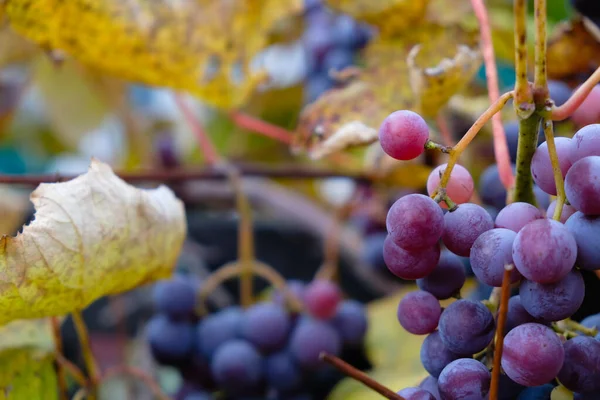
[553,301]
[585,143]
[560,92]
[517,315]
[491,189]
[403,134]
[351,322]
[175,297]
[281,372]
[533,354]
[464,379]
[466,327]
[310,339]
[446,279]
[413,393]
[582,185]
[170,341]
[516,215]
[463,225]
[490,253]
[295,287]
[419,312]
[431,385]
[581,370]
[265,326]
[435,355]
[507,388]
[566,212]
[407,264]
[237,366]
[541,167]
[217,329]
[586,231]
[536,392]
[544,251]
[415,222]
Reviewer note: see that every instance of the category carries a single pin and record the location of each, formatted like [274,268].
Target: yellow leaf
[202,46]
[390,16]
[92,236]
[14,48]
[419,71]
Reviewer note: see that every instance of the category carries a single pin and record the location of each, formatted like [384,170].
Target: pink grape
[415,222]
[403,135]
[582,185]
[322,298]
[410,265]
[460,186]
[586,142]
[544,251]
[567,211]
[541,166]
[419,312]
[516,215]
[589,111]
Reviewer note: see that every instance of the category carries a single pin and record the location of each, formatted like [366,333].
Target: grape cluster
[331,43]
[425,243]
[262,352]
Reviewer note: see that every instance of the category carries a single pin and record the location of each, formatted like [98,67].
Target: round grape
[351,322]
[431,385]
[407,264]
[413,393]
[296,289]
[544,251]
[533,354]
[464,378]
[559,91]
[218,328]
[566,212]
[419,312]
[415,222]
[586,231]
[517,315]
[490,253]
[581,370]
[585,143]
[553,301]
[403,135]
[582,185]
[322,298]
[463,226]
[460,186]
[435,355]
[466,327]
[237,366]
[175,297]
[266,326]
[588,112]
[536,392]
[491,190]
[281,372]
[310,339]
[446,279]
[516,215]
[170,341]
[541,167]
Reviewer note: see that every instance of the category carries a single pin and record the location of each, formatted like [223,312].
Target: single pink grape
[460,186]
[403,135]
[589,111]
[322,298]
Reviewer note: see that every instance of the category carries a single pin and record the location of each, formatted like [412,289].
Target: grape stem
[524,106]
[86,351]
[499,343]
[211,156]
[540,84]
[558,178]
[431,145]
[257,125]
[72,369]
[58,348]
[528,135]
[501,153]
[566,110]
[360,376]
[458,149]
[570,326]
[125,370]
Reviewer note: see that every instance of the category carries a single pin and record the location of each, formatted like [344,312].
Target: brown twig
[86,350]
[541,79]
[502,313]
[138,374]
[72,369]
[58,348]
[523,95]
[257,125]
[360,376]
[577,98]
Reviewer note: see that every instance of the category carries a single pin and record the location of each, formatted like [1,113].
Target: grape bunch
[263,352]
[520,242]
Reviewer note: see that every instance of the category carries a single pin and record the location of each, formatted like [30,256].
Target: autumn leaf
[203,46]
[92,236]
[420,71]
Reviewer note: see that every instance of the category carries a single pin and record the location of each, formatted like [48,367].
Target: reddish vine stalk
[501,323]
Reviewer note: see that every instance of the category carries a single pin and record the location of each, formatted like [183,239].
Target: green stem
[86,350]
[528,136]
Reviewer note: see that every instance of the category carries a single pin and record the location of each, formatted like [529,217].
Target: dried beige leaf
[352,134]
[92,236]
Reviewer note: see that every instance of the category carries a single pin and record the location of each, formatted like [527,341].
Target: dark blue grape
[217,329]
[491,190]
[435,355]
[536,392]
[560,92]
[337,60]
[351,322]
[372,251]
[446,279]
[237,366]
[553,301]
[311,338]
[175,297]
[170,341]
[466,327]
[282,373]
[317,85]
[266,326]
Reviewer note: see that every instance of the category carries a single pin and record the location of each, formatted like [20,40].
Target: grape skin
[533,354]
[541,166]
[464,379]
[586,142]
[218,328]
[446,279]
[588,112]
[310,338]
[322,298]
[266,326]
[282,373]
[566,212]
[413,393]
[435,355]
[490,253]
[175,297]
[431,385]
[554,301]
[516,215]
[237,366]
[582,185]
[460,185]
[581,369]
[544,251]
[403,134]
[170,341]
[463,226]
[491,190]
[419,312]
[415,222]
[517,314]
[466,327]
[409,265]
[586,231]
[351,322]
